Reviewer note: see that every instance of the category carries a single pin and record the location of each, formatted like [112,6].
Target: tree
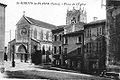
[36,56]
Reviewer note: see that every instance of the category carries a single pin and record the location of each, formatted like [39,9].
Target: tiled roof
[98,21]
[114,2]
[74,33]
[76,24]
[61,26]
[3,4]
[59,29]
[11,41]
[95,23]
[40,23]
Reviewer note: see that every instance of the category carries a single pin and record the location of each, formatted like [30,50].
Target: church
[30,33]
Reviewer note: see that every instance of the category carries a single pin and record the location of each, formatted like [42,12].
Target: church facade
[31,33]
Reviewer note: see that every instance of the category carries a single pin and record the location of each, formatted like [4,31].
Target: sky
[53,13]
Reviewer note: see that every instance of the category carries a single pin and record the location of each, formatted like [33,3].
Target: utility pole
[29,44]
[13,57]
[13,50]
[10,45]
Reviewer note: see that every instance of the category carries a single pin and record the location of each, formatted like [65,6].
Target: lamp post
[13,62]
[30,45]
[9,43]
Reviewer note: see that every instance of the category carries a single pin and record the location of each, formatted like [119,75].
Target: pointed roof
[93,23]
[39,23]
[98,21]
[113,3]
[59,29]
[76,33]
[3,4]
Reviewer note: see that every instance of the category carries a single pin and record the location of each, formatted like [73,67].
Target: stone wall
[113,34]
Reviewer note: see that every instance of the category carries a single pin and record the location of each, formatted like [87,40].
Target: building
[75,16]
[73,39]
[94,46]
[10,49]
[31,34]
[73,50]
[57,45]
[113,32]
[74,22]
[2,33]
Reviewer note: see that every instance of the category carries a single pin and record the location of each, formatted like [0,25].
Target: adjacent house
[2,33]
[57,45]
[73,50]
[95,46]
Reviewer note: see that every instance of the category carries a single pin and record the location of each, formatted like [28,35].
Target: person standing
[5,55]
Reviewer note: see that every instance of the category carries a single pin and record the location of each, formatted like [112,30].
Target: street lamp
[13,62]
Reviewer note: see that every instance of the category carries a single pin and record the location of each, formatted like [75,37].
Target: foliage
[36,56]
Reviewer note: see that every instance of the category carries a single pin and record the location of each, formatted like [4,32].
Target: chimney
[95,18]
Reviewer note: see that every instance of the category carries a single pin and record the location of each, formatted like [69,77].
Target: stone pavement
[27,70]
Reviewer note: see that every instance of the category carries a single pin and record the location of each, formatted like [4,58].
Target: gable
[23,21]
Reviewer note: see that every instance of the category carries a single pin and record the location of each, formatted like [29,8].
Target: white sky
[53,14]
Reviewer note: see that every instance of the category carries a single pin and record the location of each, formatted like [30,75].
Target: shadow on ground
[21,75]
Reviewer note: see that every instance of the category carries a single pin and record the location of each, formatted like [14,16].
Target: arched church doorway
[23,53]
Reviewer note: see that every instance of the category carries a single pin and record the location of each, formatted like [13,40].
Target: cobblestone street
[28,71]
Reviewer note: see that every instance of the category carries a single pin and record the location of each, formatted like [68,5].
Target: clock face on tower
[23,31]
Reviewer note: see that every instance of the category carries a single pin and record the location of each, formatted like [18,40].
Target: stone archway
[22,49]
[23,53]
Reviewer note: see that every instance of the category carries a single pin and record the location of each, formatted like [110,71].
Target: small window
[65,40]
[35,33]
[86,33]
[55,49]
[100,31]
[47,35]
[60,37]
[86,47]
[79,39]
[89,32]
[60,49]
[90,45]
[100,46]
[79,50]
[65,50]
[97,46]
[41,34]
[73,28]
[50,36]
[55,37]
[78,18]
[73,20]
[44,35]
[43,50]
[97,32]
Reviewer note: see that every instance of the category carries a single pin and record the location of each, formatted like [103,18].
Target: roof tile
[41,23]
